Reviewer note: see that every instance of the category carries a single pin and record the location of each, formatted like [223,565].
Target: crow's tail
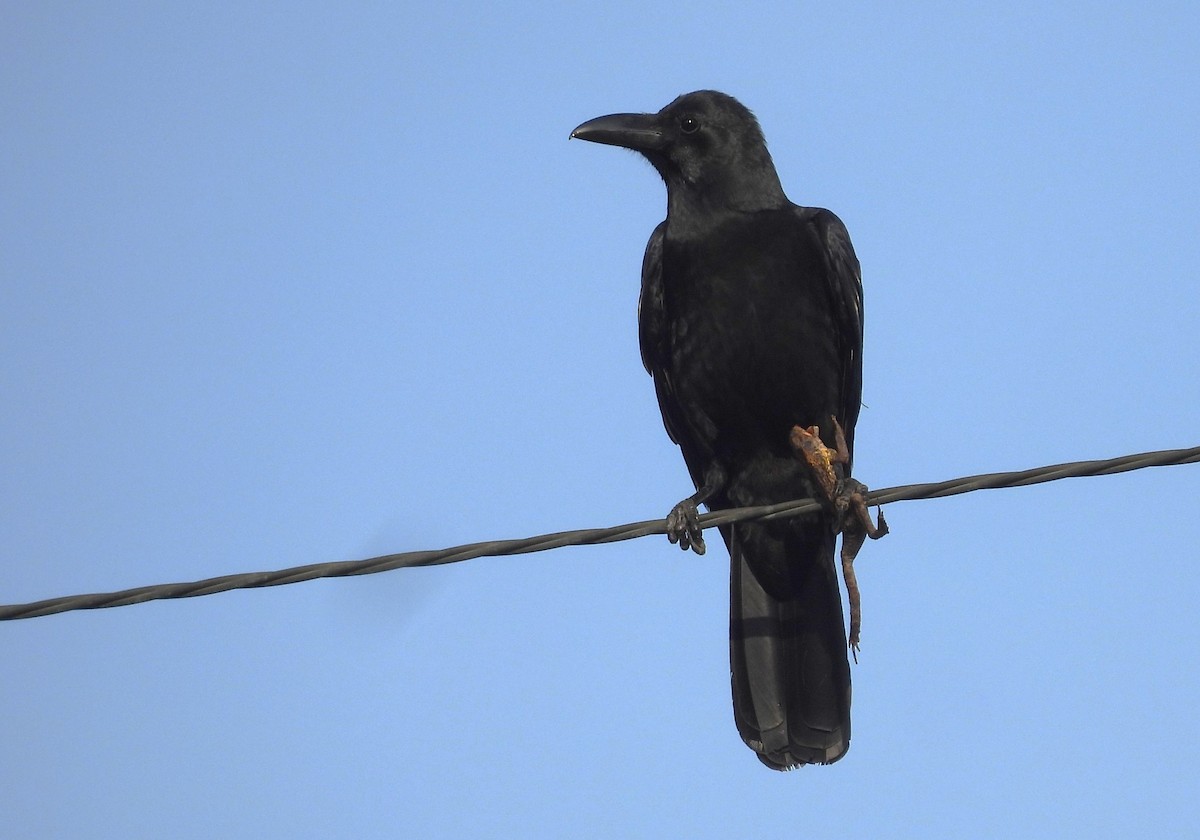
[787,644]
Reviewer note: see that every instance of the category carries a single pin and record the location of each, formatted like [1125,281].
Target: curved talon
[683,527]
[881,529]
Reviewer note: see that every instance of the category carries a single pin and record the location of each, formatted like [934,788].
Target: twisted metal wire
[589,536]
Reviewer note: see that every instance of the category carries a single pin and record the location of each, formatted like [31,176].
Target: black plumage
[750,323]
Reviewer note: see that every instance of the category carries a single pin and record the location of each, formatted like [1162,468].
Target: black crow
[750,322]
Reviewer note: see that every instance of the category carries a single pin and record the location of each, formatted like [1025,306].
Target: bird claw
[850,503]
[683,527]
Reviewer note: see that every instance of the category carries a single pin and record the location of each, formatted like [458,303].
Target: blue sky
[282,284]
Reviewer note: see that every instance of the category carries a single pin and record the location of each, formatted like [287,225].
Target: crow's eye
[689,125]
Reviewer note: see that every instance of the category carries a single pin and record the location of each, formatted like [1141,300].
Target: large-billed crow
[750,322]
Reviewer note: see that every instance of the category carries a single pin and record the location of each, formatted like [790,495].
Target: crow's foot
[683,526]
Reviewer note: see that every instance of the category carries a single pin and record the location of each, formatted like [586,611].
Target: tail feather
[787,644]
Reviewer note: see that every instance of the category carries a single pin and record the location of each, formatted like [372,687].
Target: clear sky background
[282,284]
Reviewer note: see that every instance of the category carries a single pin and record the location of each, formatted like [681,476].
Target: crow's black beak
[640,132]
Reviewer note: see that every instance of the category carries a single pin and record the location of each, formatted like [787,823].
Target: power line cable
[589,536]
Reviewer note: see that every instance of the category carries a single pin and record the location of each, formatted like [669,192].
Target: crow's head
[706,145]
